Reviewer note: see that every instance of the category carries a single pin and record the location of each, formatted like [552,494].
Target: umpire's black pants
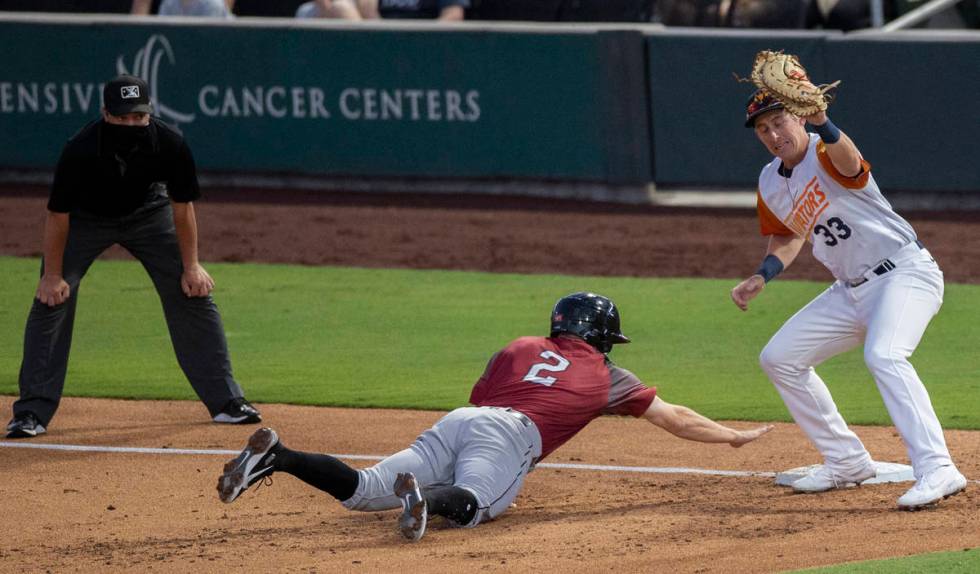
[195,326]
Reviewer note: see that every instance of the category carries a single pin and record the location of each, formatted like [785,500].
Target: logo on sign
[146,65]
[366,102]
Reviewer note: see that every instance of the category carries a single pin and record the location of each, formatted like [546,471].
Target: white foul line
[656,469]
[140,450]
[567,466]
[596,467]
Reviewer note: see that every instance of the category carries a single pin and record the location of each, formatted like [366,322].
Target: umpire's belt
[882,268]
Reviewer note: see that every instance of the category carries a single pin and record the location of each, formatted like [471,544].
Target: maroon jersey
[561,383]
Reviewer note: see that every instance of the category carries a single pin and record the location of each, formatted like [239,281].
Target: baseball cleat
[24,425]
[253,464]
[938,485]
[415,515]
[822,479]
[238,411]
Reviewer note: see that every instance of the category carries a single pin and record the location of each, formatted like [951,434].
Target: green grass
[419,339]
[966,561]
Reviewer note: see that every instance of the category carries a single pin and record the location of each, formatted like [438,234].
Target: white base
[887,472]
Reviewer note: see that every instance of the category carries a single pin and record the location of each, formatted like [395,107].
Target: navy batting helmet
[590,316]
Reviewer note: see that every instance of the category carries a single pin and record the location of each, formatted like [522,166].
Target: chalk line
[557,465]
[221,452]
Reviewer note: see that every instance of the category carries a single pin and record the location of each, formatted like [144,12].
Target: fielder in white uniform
[820,189]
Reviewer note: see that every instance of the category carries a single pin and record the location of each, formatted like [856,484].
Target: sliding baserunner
[534,396]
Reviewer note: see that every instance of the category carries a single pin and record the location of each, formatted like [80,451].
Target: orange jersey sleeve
[857,182]
[769,224]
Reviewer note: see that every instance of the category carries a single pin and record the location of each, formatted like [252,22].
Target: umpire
[129,179]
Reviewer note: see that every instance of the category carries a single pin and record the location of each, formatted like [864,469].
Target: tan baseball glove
[783,76]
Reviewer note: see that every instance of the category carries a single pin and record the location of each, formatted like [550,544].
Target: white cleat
[822,479]
[251,465]
[415,515]
[939,484]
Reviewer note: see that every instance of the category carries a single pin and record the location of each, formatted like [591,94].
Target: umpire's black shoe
[238,412]
[251,465]
[24,425]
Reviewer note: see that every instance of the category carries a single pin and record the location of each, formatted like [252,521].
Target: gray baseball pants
[485,450]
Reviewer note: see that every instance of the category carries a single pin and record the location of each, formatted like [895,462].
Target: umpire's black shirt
[111,171]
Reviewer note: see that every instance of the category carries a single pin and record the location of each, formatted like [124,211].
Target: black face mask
[119,138]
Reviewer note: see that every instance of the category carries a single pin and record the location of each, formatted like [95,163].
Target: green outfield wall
[610,105]
[909,99]
[699,137]
[343,101]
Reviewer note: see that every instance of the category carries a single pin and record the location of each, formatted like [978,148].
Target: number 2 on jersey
[560,364]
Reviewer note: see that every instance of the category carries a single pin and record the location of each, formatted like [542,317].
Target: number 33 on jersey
[847,219]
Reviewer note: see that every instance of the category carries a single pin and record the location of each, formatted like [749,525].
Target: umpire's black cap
[126,95]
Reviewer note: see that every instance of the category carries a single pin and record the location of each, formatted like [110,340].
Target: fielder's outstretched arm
[784,248]
[841,149]
[685,423]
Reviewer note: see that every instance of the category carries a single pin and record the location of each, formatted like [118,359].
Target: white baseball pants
[889,313]
[485,450]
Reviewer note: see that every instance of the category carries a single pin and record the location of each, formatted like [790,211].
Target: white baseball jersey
[853,230]
[849,222]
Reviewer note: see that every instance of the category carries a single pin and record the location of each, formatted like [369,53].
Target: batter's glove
[785,78]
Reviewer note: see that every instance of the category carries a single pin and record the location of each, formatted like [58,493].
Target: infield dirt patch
[497,234]
[93,511]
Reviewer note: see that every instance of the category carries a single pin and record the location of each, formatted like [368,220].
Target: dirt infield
[95,511]
[88,512]
[520,235]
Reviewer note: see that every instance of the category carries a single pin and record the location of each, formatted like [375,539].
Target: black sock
[320,471]
[455,503]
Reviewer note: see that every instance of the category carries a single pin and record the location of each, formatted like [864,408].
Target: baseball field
[355,321]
